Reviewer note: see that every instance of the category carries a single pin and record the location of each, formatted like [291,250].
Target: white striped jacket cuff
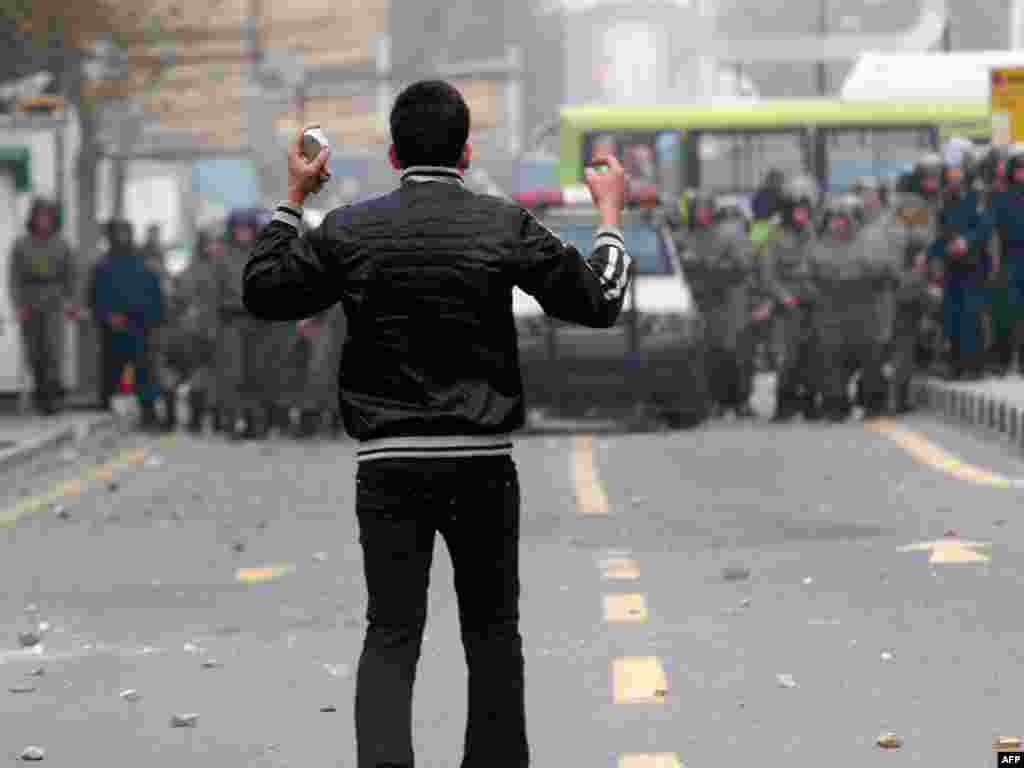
[610,262]
[288,213]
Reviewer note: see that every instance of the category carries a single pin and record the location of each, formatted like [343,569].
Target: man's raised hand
[305,177]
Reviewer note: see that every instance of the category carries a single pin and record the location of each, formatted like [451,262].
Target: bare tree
[63,37]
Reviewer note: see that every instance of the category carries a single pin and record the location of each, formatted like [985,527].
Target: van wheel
[681,419]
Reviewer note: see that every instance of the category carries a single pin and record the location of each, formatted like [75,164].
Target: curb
[984,412]
[72,433]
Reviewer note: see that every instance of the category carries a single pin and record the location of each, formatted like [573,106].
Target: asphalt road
[668,580]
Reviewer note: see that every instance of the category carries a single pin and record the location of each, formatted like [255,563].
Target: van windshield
[647,249]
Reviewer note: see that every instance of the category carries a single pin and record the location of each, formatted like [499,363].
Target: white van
[648,362]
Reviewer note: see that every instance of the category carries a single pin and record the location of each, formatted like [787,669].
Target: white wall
[10,336]
[42,146]
[154,194]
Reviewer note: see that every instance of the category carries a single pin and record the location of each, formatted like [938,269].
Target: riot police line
[239,375]
[846,297]
[851,295]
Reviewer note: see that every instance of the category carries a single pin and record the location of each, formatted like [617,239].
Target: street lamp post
[822,68]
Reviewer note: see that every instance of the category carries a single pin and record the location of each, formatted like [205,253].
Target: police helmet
[864,184]
[849,206]
[733,206]
[800,190]
[930,164]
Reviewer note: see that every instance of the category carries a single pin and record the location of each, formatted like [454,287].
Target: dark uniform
[42,286]
[964,219]
[249,350]
[786,275]
[199,291]
[127,300]
[719,267]
[316,388]
[851,322]
[1008,217]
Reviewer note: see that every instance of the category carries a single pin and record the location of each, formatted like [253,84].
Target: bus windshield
[643,243]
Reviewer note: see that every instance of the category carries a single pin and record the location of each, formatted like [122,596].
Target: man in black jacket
[430,387]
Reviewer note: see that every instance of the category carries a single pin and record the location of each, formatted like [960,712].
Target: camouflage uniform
[786,276]
[851,317]
[41,283]
[719,268]
[249,350]
[316,393]
[198,291]
[903,235]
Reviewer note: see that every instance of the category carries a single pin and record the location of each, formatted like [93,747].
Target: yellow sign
[267,573]
[951,551]
[1007,89]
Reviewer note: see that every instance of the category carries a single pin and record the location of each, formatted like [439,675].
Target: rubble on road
[889,741]
[185,721]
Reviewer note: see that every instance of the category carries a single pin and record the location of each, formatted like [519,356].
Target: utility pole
[252,91]
[947,36]
[822,68]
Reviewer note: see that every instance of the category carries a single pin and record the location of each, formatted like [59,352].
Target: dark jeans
[964,302]
[474,504]
[117,350]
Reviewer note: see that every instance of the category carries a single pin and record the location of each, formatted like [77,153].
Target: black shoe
[148,421]
[811,411]
[307,426]
[196,410]
[745,411]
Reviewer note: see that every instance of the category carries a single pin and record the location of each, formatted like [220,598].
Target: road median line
[590,496]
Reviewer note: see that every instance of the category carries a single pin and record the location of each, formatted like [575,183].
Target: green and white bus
[729,147]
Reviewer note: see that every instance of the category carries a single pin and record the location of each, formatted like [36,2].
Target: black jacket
[425,276]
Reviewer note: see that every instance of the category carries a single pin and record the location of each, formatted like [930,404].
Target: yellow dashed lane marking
[590,497]
[932,455]
[625,608]
[638,680]
[264,573]
[655,760]
[73,487]
[951,551]
[620,568]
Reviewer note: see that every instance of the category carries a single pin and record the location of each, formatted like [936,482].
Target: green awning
[18,158]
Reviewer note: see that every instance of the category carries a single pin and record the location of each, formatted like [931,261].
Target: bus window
[737,161]
[880,152]
[646,155]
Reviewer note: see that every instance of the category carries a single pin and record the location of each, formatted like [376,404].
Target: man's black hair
[429,125]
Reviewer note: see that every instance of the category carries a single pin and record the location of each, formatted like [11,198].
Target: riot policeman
[41,282]
[902,240]
[786,275]
[198,290]
[850,319]
[249,350]
[719,268]
[871,194]
[325,335]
